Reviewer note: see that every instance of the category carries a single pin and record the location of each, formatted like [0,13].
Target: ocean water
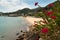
[9,26]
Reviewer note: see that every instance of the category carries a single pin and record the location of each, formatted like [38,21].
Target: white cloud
[12,5]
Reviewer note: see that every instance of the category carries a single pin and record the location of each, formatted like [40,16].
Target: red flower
[51,5]
[49,13]
[44,10]
[44,30]
[53,17]
[36,3]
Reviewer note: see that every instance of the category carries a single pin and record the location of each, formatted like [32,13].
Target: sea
[10,26]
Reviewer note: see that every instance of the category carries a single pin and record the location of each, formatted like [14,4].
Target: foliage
[50,29]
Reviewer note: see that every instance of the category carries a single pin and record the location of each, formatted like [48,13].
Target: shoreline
[31,19]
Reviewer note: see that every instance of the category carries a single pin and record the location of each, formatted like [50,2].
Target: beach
[30,27]
[32,19]
[9,26]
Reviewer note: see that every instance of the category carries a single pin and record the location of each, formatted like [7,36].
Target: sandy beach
[32,19]
[12,29]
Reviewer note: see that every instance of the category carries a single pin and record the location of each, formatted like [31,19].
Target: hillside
[31,12]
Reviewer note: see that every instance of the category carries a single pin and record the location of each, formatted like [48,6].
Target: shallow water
[9,26]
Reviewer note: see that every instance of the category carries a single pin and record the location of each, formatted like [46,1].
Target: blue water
[9,24]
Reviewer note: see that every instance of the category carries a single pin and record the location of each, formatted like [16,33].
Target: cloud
[12,5]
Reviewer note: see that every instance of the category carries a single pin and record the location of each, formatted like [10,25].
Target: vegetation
[50,29]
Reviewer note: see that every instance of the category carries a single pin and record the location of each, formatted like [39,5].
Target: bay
[9,26]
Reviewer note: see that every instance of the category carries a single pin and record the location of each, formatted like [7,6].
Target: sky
[14,5]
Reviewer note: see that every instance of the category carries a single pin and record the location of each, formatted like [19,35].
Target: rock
[17,33]
[21,31]
[2,36]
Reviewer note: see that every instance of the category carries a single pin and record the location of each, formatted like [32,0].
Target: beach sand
[32,19]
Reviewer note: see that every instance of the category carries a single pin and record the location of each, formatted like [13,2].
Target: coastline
[12,26]
[31,19]
[14,30]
